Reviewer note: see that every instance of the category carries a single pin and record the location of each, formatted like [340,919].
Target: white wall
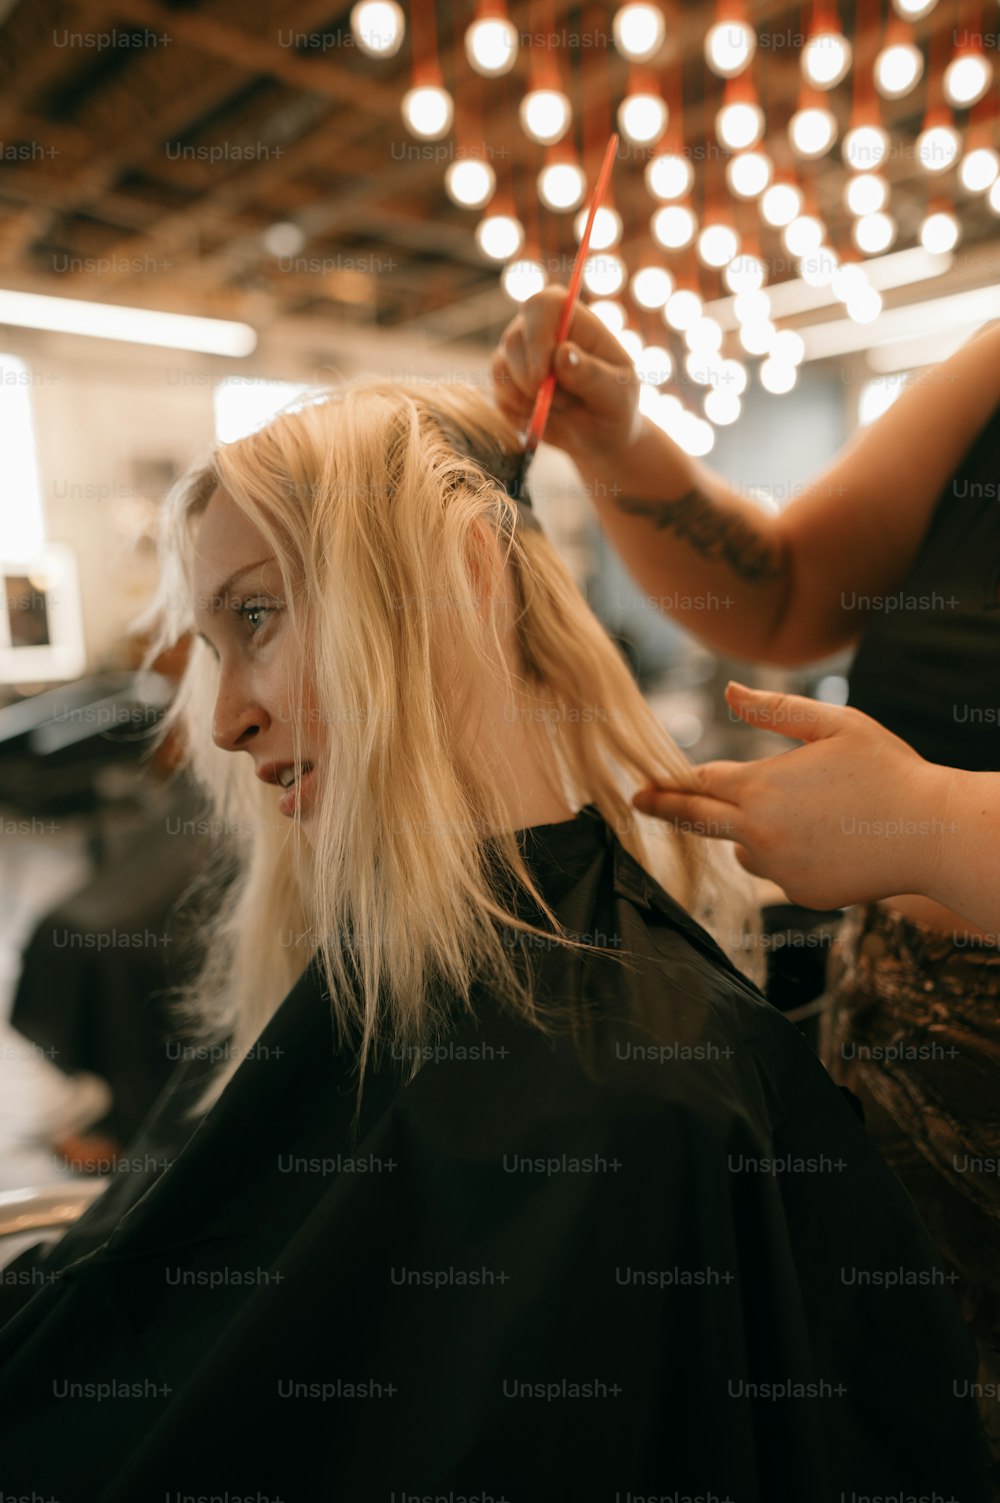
[101,406]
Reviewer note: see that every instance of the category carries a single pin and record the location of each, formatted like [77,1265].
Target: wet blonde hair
[377,500]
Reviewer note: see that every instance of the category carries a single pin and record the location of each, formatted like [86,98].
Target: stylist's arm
[853,815]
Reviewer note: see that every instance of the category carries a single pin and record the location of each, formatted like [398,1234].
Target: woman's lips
[296,799]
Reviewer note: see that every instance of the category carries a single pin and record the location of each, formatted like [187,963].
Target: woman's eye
[251,611]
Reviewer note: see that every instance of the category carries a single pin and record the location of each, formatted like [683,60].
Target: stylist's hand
[595,406]
[849,817]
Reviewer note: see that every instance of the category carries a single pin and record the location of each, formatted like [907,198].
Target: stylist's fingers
[541,315]
[523,357]
[791,715]
[596,382]
[693,812]
[723,780]
[509,366]
[719,780]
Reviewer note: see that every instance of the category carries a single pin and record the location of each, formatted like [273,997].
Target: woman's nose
[235,723]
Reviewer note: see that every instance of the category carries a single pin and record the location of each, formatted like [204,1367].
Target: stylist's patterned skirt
[914,1030]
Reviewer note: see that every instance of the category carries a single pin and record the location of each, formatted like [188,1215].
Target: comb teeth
[516,490]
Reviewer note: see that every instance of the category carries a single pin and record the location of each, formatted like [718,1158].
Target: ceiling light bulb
[758,338]
[777,377]
[866,193]
[749,173]
[561,186]
[695,436]
[874,233]
[604,275]
[642,118]
[545,115]
[654,365]
[939,233]
[788,347]
[470,183]
[848,280]
[864,306]
[865,147]
[979,169]
[966,79]
[744,274]
[898,68]
[607,229]
[652,286]
[283,239]
[739,125]
[729,47]
[702,365]
[804,235]
[428,111]
[781,204]
[682,310]
[722,407]
[669,175]
[630,340]
[731,376]
[826,58]
[937,148]
[752,307]
[818,269]
[612,315]
[812,131]
[705,334]
[491,45]
[673,226]
[718,244]
[522,279]
[639,31]
[500,236]
[378,27]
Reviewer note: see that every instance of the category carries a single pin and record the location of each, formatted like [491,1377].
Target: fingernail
[572,357]
[734,683]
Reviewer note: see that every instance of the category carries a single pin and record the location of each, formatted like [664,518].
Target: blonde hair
[376,499]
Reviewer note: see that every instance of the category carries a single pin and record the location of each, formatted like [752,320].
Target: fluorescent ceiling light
[173,331]
[911,354]
[22,524]
[900,269]
[933,315]
[243,404]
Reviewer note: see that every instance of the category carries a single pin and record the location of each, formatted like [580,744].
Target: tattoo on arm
[710,532]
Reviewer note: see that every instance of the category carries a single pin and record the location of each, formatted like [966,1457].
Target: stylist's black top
[653,1255]
[928,666]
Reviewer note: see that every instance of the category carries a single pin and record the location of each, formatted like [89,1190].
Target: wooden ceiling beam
[234,44]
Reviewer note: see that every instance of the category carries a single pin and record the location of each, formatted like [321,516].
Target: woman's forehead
[225,543]
[222,529]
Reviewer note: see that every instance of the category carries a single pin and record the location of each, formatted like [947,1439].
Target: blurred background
[207,209]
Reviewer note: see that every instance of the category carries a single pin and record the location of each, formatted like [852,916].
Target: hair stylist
[909,508]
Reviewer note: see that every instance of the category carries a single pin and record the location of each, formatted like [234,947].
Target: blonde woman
[503,1180]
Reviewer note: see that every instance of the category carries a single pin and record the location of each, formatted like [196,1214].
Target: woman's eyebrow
[215,600]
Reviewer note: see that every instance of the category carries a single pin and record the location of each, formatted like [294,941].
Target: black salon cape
[543,1270]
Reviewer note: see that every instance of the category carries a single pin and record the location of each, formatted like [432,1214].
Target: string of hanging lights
[697,237]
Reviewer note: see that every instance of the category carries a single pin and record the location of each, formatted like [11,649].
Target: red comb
[540,413]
